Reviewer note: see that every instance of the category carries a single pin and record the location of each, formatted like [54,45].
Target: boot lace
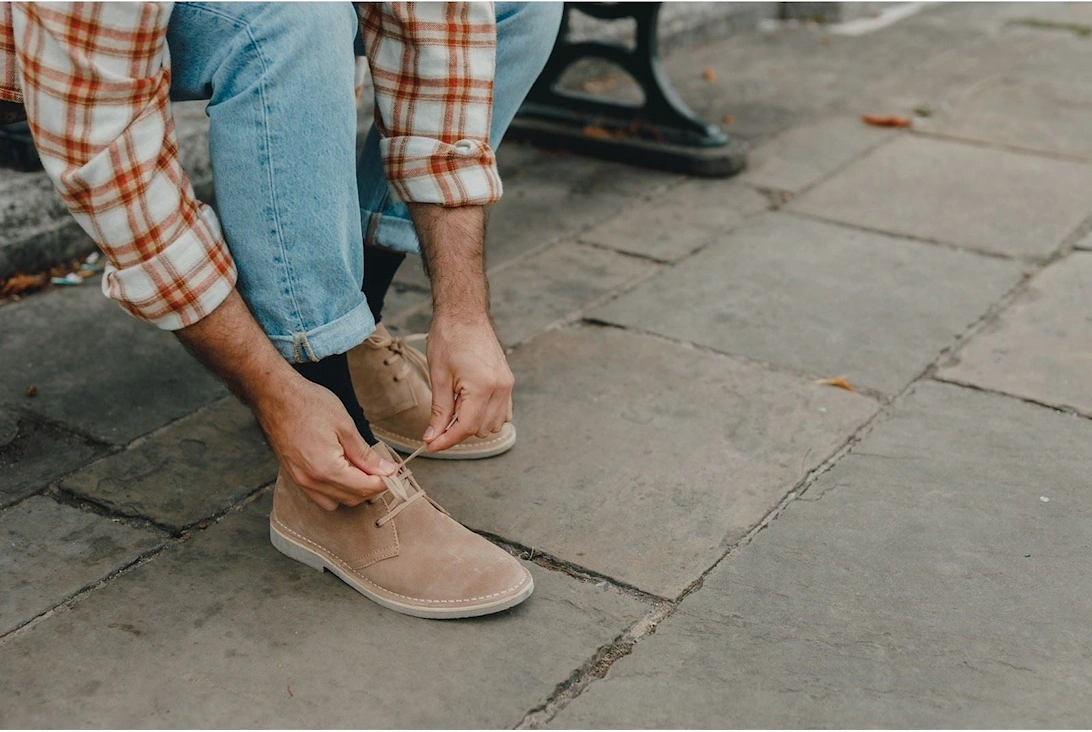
[401,350]
[405,488]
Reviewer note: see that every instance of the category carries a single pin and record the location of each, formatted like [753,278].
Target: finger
[443,407]
[322,501]
[493,419]
[471,410]
[354,481]
[359,454]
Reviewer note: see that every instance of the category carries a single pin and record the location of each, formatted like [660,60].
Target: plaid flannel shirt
[95,82]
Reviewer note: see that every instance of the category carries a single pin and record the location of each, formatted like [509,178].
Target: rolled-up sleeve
[432,66]
[95,80]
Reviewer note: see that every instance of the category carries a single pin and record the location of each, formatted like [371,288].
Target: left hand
[470,374]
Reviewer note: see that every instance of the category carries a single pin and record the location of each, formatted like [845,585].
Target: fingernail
[387,465]
[429,433]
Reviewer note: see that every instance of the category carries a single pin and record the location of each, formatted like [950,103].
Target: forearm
[453,252]
[230,343]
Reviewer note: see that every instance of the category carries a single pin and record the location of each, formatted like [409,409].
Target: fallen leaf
[727,119]
[709,74]
[890,121]
[602,133]
[20,283]
[32,391]
[838,381]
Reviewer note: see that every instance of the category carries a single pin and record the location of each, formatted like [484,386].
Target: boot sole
[406,447]
[316,560]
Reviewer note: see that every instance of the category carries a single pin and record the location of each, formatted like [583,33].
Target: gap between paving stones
[599,664]
[1007,147]
[168,540]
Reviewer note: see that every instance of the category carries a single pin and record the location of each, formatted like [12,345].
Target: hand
[470,374]
[318,444]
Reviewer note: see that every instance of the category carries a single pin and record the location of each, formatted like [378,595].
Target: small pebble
[1044,499]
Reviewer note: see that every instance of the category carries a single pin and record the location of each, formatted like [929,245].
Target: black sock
[379,268]
[333,373]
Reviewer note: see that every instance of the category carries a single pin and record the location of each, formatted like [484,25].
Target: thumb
[359,454]
[443,408]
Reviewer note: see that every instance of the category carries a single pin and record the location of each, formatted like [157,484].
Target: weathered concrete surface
[68,343]
[555,283]
[959,194]
[194,469]
[33,453]
[223,631]
[644,474]
[810,152]
[1040,347]
[671,225]
[819,298]
[924,583]
[1010,112]
[49,552]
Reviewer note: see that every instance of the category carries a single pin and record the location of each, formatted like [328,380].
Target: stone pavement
[717,539]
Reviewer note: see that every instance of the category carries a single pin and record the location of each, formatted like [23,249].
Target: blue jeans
[282,139]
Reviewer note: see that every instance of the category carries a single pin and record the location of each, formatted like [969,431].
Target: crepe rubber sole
[503,442]
[317,559]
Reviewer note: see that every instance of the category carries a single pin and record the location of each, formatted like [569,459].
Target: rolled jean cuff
[339,336]
[389,232]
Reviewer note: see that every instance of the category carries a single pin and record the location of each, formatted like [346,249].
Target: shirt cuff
[181,284]
[426,170]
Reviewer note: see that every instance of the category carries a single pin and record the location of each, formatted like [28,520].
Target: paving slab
[33,454]
[531,294]
[925,584]
[194,469]
[820,298]
[550,197]
[49,552]
[810,152]
[223,631]
[1045,115]
[672,225]
[959,194]
[641,459]
[97,368]
[561,280]
[1040,346]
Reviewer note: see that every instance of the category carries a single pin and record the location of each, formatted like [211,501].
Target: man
[281,274]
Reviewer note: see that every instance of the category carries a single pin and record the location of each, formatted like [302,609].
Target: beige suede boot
[391,381]
[400,549]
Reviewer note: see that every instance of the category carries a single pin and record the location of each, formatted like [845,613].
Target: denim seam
[301,334]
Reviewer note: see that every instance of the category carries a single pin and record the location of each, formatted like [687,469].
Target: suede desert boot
[400,549]
[391,381]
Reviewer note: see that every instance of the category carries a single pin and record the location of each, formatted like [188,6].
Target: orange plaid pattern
[95,81]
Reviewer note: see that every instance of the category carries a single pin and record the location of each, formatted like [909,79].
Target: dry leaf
[20,283]
[727,119]
[890,121]
[709,75]
[838,381]
[32,391]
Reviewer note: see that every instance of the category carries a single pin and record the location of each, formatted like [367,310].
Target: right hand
[319,446]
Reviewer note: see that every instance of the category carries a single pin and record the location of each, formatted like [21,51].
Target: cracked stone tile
[930,585]
[189,471]
[33,454]
[49,552]
[1040,346]
[820,298]
[642,459]
[97,368]
[809,152]
[958,194]
[223,631]
[674,224]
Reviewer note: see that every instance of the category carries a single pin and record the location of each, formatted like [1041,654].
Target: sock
[332,372]
[379,268]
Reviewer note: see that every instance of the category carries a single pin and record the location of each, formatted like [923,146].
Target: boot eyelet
[378,525]
[386,362]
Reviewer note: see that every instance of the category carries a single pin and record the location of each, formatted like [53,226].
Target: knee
[303,40]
